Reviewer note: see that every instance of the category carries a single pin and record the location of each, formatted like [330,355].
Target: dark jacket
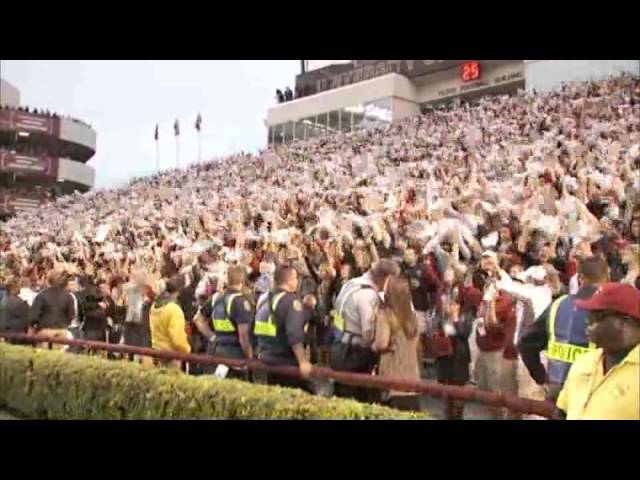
[455,368]
[52,308]
[94,318]
[14,314]
[419,288]
[187,296]
[536,337]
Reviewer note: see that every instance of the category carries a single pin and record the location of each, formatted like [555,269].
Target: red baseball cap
[617,297]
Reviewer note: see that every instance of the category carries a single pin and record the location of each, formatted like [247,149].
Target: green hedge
[43,384]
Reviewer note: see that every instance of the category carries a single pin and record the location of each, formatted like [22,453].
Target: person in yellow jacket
[168,328]
[604,384]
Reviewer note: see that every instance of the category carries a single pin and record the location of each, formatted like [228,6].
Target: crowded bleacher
[526,186]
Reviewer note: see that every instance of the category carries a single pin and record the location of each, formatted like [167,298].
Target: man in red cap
[604,384]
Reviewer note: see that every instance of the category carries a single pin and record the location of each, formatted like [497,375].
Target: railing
[446,392]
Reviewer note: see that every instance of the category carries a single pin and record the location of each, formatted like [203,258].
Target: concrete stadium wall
[401,108]
[76,172]
[76,132]
[406,94]
[40,166]
[387,86]
[545,75]
[447,84]
[316,64]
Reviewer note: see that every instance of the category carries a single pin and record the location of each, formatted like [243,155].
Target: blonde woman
[396,339]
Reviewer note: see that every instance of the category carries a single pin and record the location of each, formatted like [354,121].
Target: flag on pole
[155,135]
[198,122]
[176,128]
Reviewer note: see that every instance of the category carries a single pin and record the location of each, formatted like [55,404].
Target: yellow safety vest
[562,351]
[338,319]
[224,325]
[268,328]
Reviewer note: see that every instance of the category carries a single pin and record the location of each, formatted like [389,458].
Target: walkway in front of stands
[472,410]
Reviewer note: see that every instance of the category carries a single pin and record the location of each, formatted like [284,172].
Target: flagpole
[156,137]
[199,129]
[177,151]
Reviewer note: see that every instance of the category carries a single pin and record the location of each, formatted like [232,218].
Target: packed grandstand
[537,178]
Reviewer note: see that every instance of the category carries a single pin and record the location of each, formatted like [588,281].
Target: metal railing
[446,392]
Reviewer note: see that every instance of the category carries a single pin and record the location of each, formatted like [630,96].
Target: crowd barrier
[444,392]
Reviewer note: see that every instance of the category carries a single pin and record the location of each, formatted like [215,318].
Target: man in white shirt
[533,296]
[533,291]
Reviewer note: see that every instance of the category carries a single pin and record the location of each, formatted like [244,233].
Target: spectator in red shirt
[433,280]
[496,365]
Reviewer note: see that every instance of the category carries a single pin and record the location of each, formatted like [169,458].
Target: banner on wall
[13,202]
[17,163]
[29,122]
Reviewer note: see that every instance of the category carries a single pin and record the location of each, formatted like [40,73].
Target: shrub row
[42,384]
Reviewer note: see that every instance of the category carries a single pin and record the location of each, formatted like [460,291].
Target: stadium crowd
[475,217]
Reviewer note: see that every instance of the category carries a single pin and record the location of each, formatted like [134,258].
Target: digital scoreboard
[470,71]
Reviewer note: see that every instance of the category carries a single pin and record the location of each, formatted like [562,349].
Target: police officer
[353,321]
[225,320]
[279,329]
[561,330]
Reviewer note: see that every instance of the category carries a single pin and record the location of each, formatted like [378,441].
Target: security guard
[279,329]
[230,314]
[353,321]
[604,384]
[561,330]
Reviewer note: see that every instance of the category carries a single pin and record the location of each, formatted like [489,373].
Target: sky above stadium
[124,99]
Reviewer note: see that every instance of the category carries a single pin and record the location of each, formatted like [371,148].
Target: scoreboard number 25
[470,71]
